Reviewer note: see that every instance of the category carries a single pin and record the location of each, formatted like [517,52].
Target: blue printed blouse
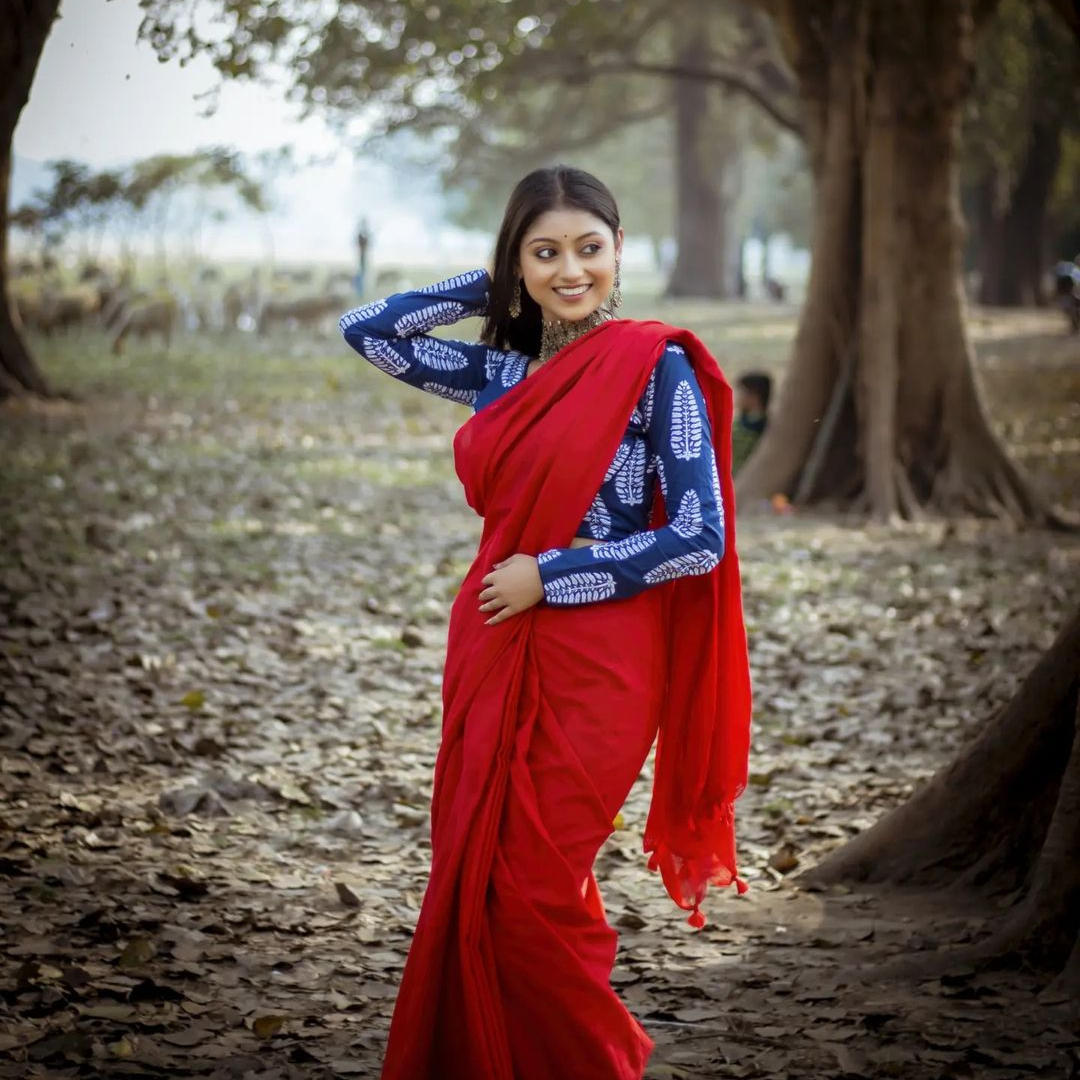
[668,438]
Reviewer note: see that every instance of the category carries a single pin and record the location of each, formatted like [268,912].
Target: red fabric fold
[517,814]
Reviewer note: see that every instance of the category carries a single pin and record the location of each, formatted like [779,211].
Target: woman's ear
[619,236]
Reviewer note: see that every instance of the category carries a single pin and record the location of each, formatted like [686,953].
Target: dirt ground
[224,583]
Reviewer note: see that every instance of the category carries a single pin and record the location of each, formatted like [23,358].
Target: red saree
[548,718]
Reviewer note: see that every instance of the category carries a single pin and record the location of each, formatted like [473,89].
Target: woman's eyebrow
[549,240]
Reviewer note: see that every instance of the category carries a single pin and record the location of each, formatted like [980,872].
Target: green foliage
[495,87]
[80,198]
[1027,63]
[418,60]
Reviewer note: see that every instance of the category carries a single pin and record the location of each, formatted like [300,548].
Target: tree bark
[701,209]
[881,343]
[1002,818]
[24,27]
[1013,250]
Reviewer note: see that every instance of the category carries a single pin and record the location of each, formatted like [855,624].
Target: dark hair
[759,384]
[543,189]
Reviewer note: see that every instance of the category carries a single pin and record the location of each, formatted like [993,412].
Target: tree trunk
[1013,255]
[881,348]
[700,206]
[1002,818]
[23,29]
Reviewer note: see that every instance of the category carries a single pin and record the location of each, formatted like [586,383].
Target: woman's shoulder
[673,364]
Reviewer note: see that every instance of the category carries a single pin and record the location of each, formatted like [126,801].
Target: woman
[603,605]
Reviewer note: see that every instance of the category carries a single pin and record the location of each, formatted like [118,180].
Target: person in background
[363,243]
[752,402]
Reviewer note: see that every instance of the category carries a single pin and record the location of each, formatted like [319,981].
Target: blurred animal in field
[312,312]
[239,299]
[70,308]
[143,316]
[775,290]
[338,281]
[118,296]
[387,281]
[27,300]
[284,277]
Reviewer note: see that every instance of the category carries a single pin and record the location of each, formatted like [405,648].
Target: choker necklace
[558,333]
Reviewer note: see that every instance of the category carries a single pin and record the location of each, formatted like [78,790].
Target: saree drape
[548,718]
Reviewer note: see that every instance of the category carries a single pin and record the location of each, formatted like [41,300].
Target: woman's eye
[590,249]
[544,253]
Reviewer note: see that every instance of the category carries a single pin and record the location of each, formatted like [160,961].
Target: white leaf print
[420,322]
[636,419]
[685,423]
[617,461]
[690,565]
[457,282]
[630,545]
[678,350]
[547,556]
[493,362]
[717,493]
[661,474]
[439,356]
[598,518]
[630,482]
[451,393]
[513,370]
[582,587]
[648,399]
[688,521]
[384,356]
[361,314]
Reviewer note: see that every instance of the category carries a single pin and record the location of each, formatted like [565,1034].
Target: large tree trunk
[1003,818]
[880,410]
[1012,240]
[701,208]
[24,26]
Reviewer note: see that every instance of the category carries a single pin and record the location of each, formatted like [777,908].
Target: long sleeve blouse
[668,441]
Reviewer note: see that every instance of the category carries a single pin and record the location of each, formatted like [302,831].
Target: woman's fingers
[501,617]
[493,604]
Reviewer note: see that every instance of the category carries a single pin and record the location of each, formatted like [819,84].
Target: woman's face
[567,261]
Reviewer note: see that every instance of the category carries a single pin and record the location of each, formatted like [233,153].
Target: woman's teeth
[577,290]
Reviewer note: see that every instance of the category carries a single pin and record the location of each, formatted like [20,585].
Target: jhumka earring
[616,292]
[515,300]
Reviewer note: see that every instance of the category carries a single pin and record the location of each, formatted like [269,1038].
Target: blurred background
[230,544]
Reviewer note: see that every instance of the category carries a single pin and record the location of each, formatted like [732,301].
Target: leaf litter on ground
[223,601]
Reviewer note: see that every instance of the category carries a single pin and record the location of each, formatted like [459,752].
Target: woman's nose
[570,267]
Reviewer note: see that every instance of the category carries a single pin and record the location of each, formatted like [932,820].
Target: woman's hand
[513,586]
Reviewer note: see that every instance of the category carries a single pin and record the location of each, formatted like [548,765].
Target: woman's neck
[556,334]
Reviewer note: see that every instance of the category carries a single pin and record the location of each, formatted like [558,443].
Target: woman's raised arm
[393,335]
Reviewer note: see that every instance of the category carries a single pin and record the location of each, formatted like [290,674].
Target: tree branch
[1069,10]
[732,78]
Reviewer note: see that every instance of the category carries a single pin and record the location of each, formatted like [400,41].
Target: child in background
[752,404]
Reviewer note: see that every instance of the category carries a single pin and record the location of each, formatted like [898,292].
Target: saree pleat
[548,718]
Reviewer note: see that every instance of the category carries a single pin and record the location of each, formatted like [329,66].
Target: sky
[102,97]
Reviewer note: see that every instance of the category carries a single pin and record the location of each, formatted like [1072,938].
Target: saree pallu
[548,718]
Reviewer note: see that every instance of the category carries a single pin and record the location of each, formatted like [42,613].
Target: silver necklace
[556,334]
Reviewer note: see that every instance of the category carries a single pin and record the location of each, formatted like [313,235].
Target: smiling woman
[608,518]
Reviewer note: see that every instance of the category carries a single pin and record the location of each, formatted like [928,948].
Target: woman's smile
[570,294]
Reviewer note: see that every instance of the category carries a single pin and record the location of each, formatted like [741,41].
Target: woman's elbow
[712,535]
